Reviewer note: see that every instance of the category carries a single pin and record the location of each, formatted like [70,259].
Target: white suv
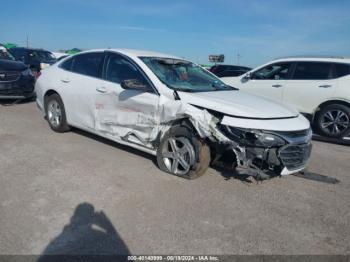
[317,87]
[174,109]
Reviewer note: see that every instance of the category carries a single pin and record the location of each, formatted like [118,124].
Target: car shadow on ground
[89,232]
[11,102]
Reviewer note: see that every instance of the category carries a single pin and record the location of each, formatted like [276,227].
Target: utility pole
[238,57]
[27,41]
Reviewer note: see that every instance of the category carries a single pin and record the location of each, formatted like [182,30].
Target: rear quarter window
[67,64]
[342,70]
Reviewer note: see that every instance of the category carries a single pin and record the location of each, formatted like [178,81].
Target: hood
[238,104]
[9,65]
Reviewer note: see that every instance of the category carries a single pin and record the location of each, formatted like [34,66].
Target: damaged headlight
[250,137]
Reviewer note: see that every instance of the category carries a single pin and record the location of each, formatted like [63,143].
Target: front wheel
[333,120]
[182,154]
[55,113]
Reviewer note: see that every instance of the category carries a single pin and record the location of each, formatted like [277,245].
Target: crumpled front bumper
[294,157]
[267,162]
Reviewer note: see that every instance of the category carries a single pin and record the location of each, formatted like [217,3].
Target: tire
[55,114]
[189,148]
[333,120]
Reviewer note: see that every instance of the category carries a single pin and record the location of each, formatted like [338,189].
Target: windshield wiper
[184,90]
[179,88]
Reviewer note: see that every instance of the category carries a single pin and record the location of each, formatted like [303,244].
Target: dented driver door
[126,114]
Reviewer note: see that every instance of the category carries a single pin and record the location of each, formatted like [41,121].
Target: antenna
[27,41]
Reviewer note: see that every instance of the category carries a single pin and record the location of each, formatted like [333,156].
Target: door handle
[277,86]
[65,80]
[101,89]
[325,86]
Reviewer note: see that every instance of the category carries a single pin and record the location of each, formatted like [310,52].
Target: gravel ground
[75,193]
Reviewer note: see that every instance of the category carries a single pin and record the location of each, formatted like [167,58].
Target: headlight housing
[254,138]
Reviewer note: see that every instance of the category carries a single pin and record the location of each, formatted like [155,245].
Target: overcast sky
[258,30]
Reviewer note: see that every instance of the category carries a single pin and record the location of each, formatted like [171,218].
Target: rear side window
[312,71]
[342,70]
[87,64]
[67,65]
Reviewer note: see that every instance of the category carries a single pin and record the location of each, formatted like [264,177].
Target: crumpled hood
[238,104]
[9,65]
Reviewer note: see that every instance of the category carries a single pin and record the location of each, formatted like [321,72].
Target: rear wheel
[182,154]
[333,120]
[55,113]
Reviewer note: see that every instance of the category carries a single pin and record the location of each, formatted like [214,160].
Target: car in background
[229,70]
[36,59]
[175,110]
[60,55]
[318,87]
[16,79]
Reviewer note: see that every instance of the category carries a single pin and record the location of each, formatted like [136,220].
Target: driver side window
[279,71]
[119,69]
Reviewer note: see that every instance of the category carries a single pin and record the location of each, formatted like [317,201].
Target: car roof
[227,65]
[313,59]
[30,49]
[134,52]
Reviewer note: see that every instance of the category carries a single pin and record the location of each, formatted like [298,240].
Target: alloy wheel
[334,121]
[54,113]
[178,155]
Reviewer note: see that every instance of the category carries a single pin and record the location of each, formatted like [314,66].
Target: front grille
[9,76]
[295,156]
[293,134]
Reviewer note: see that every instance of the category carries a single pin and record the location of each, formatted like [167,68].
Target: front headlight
[250,137]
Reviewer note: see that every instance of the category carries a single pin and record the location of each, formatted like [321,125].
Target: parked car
[36,59]
[174,109]
[16,79]
[229,70]
[59,55]
[62,57]
[315,86]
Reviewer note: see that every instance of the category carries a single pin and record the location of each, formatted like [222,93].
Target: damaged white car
[174,109]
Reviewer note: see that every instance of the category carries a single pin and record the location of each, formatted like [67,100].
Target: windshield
[185,76]
[6,55]
[42,56]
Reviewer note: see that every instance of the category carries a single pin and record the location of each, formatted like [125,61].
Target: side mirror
[247,77]
[134,84]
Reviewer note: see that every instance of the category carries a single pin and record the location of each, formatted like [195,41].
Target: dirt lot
[76,193]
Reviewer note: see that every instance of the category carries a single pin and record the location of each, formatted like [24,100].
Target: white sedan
[174,109]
